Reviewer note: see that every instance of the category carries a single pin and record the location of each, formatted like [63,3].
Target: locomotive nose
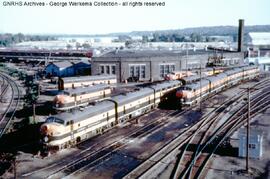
[179,94]
[59,99]
[44,129]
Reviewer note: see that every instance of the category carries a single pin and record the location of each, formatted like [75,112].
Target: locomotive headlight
[46,139]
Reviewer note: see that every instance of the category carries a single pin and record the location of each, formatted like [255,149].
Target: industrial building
[67,68]
[153,65]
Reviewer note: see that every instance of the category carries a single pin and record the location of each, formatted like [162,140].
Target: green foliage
[9,39]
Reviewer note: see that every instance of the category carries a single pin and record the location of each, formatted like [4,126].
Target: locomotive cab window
[56,120]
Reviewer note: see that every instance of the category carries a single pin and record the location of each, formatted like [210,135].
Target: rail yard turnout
[129,113]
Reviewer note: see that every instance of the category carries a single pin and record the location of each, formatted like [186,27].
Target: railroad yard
[162,141]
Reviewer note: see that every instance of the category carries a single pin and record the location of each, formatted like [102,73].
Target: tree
[78,45]
[69,46]
[145,39]
[195,37]
[128,44]
[86,45]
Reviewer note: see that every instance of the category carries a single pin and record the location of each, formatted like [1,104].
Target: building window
[142,71]
[113,69]
[137,70]
[172,67]
[101,69]
[252,146]
[107,69]
[131,71]
[165,69]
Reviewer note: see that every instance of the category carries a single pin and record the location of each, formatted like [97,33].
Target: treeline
[8,39]
[206,31]
[162,37]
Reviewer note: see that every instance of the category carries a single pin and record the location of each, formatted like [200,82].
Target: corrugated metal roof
[259,60]
[62,64]
[260,38]
[150,53]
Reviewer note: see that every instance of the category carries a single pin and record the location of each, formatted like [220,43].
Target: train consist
[74,82]
[65,129]
[68,128]
[192,93]
[72,98]
[178,75]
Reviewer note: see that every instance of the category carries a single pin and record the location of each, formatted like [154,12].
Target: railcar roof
[88,78]
[78,115]
[250,67]
[193,78]
[233,71]
[197,85]
[132,96]
[165,84]
[217,77]
[88,89]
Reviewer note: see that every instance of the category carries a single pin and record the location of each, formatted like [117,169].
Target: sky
[176,14]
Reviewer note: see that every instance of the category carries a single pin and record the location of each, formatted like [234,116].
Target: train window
[50,119]
[60,121]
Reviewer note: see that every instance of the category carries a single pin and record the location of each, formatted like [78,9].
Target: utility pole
[200,85]
[15,170]
[34,113]
[248,126]
[186,59]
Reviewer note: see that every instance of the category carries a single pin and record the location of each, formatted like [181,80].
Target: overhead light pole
[200,84]
[248,125]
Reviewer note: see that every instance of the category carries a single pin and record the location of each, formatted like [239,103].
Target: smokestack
[240,35]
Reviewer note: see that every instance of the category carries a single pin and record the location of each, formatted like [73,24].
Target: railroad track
[91,160]
[87,160]
[4,88]
[258,104]
[104,150]
[161,157]
[160,160]
[203,140]
[13,105]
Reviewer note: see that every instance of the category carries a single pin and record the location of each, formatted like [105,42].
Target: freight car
[73,82]
[66,129]
[82,96]
[193,93]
